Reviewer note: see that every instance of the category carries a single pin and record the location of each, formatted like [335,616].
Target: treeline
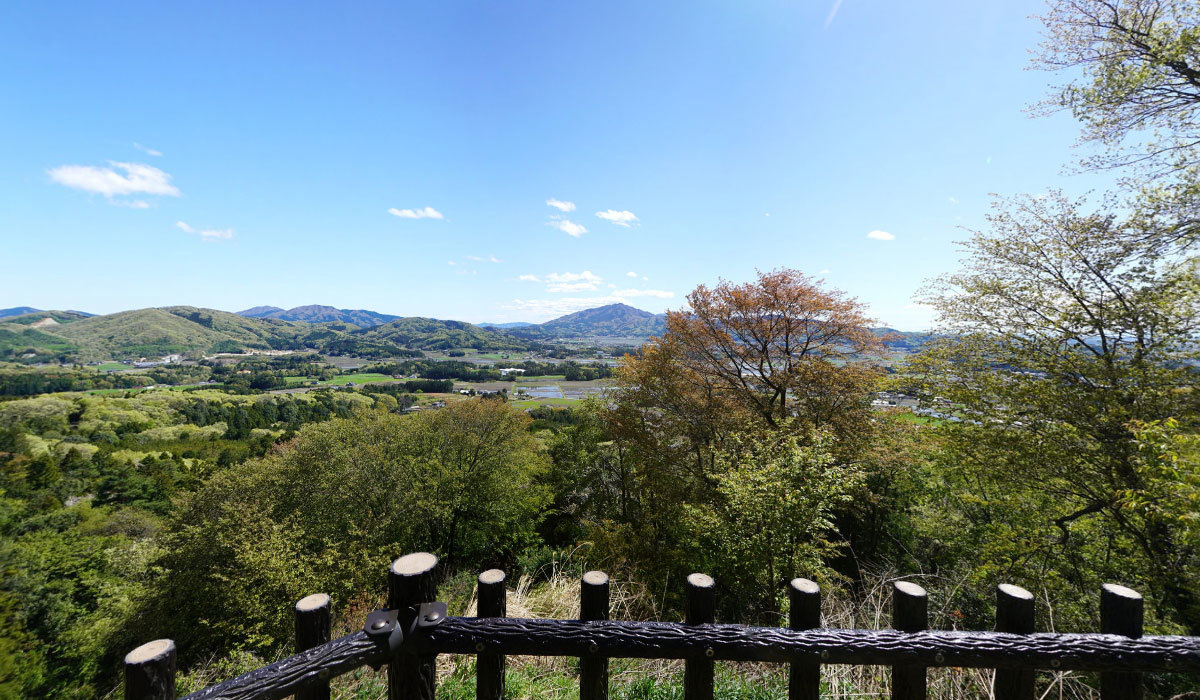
[471,372]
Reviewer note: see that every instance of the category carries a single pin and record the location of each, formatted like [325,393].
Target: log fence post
[312,630]
[150,671]
[489,668]
[910,613]
[701,609]
[411,581]
[1014,614]
[804,613]
[593,606]
[1120,613]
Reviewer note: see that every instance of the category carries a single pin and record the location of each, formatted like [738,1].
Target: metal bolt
[479,646]
[824,654]
[379,624]
[433,617]
[1055,663]
[593,648]
[323,674]
[708,652]
[939,658]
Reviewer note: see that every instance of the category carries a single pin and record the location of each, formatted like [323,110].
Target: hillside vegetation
[431,334]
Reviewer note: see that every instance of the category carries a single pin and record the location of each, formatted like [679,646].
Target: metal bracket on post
[386,629]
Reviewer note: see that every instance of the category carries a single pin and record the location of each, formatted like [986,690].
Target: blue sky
[491,161]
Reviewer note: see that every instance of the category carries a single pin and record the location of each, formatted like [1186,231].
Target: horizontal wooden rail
[664,640]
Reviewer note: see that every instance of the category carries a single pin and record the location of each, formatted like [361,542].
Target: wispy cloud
[559,283]
[147,150]
[494,259]
[881,236]
[476,258]
[560,205]
[545,309]
[134,178]
[952,200]
[824,272]
[424,213]
[451,262]
[568,227]
[620,218]
[837,4]
[530,278]
[131,204]
[631,274]
[223,234]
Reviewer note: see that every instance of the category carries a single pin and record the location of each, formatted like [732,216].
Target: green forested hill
[432,334]
[176,329]
[182,329]
[17,341]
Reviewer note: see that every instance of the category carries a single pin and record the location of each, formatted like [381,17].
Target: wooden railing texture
[1119,653]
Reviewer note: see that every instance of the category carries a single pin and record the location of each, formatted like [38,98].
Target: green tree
[328,510]
[1062,329]
[1138,68]
[771,519]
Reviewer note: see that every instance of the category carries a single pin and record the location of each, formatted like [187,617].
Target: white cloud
[611,286]
[134,204]
[560,205]
[824,272]
[631,274]
[562,282]
[147,150]
[546,309]
[952,200]
[832,13]
[138,178]
[587,275]
[620,218]
[568,227]
[562,287]
[451,262]
[529,278]
[476,258]
[493,258]
[425,213]
[222,234]
[881,236]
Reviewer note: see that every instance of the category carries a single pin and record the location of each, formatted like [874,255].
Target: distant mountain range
[315,313]
[24,310]
[75,336]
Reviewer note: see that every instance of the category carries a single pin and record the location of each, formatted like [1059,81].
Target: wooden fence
[413,629]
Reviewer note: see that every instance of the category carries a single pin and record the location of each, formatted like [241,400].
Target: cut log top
[596,578]
[1122,591]
[700,581]
[315,601]
[414,564]
[150,651]
[1015,591]
[909,588]
[803,585]
[491,576]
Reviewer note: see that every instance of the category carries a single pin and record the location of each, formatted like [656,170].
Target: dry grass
[555,594]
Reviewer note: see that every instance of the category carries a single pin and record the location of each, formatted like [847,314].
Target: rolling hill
[175,329]
[315,313]
[613,320]
[420,333]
